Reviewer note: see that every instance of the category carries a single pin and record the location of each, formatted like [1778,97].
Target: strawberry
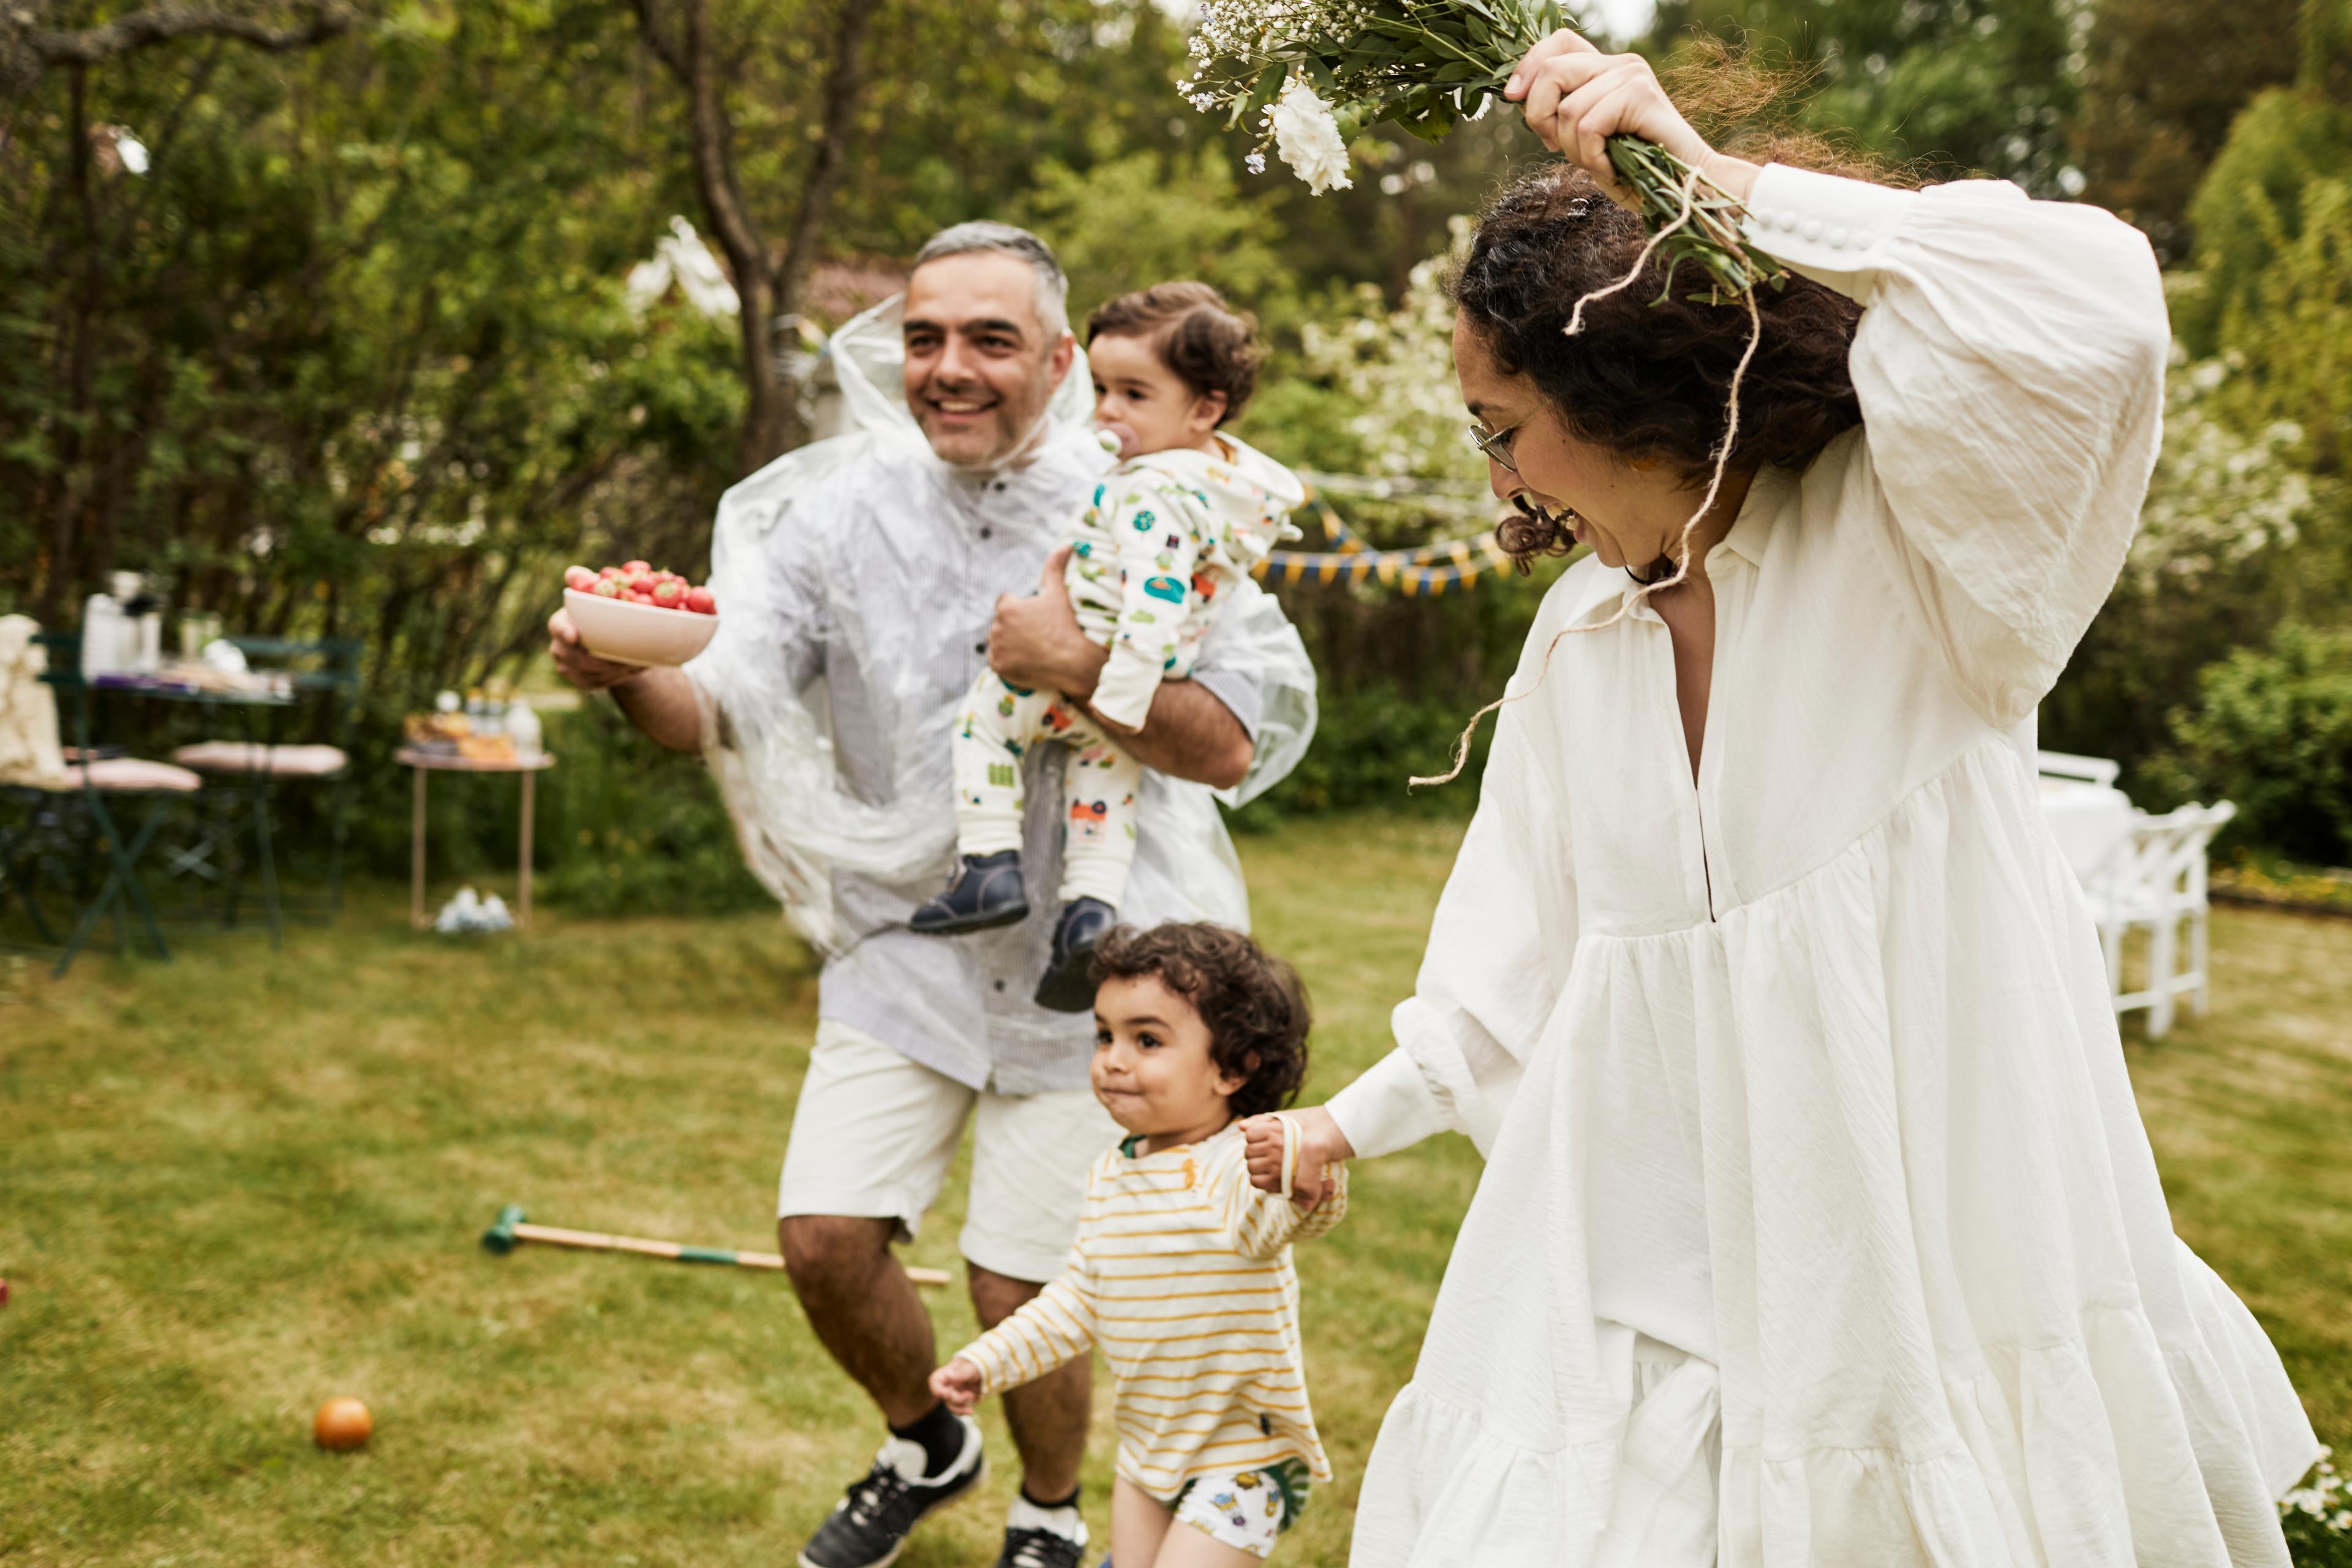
[635,568]
[641,583]
[610,588]
[669,593]
[701,601]
[579,579]
[611,572]
[637,598]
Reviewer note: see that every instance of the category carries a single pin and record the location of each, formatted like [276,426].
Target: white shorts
[874,1134]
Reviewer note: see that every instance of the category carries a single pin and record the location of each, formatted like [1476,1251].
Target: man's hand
[957,1386]
[1320,1146]
[576,664]
[1035,644]
[658,702]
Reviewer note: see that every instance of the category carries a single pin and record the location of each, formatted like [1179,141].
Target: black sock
[1033,1500]
[941,1435]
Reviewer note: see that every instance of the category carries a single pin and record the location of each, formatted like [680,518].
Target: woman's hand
[1576,98]
[1320,1146]
[957,1386]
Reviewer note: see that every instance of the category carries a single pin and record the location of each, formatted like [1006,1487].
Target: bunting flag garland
[1424,570]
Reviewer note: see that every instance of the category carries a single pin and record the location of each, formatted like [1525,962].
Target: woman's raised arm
[2010,366]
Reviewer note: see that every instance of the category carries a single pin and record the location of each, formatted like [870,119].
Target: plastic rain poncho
[856,578]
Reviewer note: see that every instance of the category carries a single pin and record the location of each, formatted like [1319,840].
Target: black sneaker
[984,893]
[868,1527]
[1069,983]
[1040,1537]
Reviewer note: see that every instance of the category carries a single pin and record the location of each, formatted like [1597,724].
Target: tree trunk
[767,285]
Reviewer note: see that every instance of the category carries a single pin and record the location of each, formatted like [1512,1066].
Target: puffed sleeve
[2010,365]
[1499,950]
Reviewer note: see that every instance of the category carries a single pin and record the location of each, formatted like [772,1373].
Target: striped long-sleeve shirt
[1181,1275]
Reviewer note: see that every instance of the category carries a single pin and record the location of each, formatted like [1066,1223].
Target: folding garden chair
[241,777]
[2155,880]
[70,828]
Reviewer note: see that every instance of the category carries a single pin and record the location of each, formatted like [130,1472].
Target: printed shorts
[1244,1508]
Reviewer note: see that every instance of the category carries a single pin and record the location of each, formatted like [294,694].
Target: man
[886,579]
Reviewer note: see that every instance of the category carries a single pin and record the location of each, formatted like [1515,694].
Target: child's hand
[1319,1145]
[958,1385]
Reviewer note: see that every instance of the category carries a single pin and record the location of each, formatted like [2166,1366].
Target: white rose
[1308,137]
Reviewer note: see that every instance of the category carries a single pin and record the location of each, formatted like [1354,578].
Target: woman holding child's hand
[1818,1224]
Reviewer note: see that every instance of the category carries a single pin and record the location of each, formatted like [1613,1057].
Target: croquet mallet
[502,1237]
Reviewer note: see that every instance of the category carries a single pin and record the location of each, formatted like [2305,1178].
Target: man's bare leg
[1048,1418]
[865,1309]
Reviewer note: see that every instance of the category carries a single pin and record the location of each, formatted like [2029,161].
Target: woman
[1819,1226]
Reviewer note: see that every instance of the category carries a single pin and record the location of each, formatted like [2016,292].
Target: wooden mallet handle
[511,1229]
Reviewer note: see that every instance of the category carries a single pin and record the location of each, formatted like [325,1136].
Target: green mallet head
[500,1238]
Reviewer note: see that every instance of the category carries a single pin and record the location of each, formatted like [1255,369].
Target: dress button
[980,648]
[985,532]
[1812,229]
[1837,238]
[1784,219]
[999,985]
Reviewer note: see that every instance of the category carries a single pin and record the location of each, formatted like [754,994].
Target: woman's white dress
[1819,1226]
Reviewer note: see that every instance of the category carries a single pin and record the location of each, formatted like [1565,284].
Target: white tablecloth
[2089,820]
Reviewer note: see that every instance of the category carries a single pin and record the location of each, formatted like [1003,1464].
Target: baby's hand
[958,1384]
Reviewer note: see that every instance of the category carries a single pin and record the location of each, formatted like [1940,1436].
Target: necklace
[1653,581]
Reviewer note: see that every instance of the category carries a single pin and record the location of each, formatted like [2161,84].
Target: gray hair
[982,235]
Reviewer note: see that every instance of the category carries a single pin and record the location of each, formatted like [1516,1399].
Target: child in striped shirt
[1180,1272]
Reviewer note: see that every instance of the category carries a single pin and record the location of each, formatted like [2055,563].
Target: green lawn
[235,1185]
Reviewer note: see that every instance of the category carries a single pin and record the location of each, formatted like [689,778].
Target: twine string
[1683,551]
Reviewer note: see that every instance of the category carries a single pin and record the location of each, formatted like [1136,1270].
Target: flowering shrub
[1393,370]
[2218,497]
[2318,1516]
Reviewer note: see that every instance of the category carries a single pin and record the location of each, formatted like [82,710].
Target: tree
[1950,86]
[768,278]
[2151,121]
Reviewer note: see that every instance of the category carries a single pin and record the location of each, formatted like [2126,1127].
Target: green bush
[2252,202]
[2272,732]
[1367,744]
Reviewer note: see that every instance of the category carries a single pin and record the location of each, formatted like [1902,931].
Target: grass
[235,1185]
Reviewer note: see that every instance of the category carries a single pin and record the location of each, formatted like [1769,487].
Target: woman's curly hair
[1648,374]
[1254,1003]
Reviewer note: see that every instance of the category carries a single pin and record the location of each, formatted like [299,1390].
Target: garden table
[2089,820]
[426,762]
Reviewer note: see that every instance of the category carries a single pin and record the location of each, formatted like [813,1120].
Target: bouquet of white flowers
[1314,73]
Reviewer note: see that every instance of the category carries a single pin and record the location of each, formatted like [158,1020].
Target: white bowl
[638,633]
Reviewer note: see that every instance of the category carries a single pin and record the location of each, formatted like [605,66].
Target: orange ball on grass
[341,1425]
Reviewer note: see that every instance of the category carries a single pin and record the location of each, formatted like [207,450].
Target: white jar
[523,726]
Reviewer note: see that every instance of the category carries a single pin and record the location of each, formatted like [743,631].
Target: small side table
[437,763]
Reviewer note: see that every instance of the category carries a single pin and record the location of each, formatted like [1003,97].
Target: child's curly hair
[1208,345]
[1254,1003]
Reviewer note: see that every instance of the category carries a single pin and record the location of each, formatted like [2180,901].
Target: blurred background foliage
[350,351]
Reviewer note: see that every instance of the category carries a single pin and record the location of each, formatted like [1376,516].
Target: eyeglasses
[1494,446]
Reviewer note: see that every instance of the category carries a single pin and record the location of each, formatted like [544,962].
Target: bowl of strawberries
[639,613]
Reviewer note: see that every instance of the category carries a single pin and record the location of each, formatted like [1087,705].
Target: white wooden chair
[2154,879]
[2098,770]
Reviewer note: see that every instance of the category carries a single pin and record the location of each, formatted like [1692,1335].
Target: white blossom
[1395,367]
[1308,139]
[1255,162]
[2217,497]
